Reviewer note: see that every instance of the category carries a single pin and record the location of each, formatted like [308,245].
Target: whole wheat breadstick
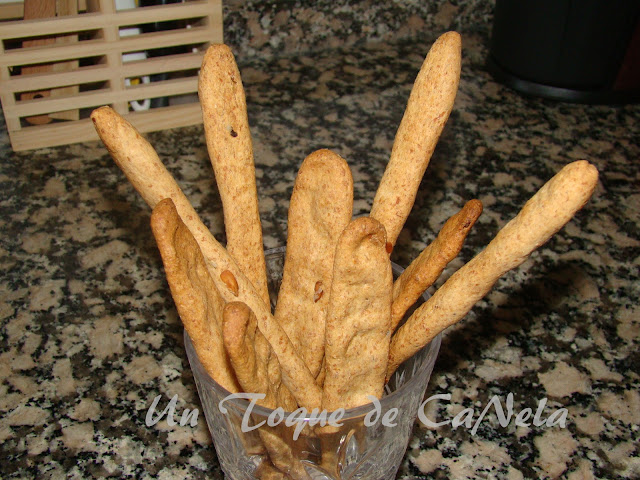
[320,208]
[428,109]
[240,334]
[140,163]
[542,216]
[281,451]
[241,337]
[428,266]
[196,297]
[135,156]
[266,471]
[226,128]
[358,317]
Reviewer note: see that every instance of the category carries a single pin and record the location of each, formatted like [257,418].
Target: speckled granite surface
[89,335]
[271,29]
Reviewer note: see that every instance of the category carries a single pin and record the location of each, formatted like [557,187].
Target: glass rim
[432,348]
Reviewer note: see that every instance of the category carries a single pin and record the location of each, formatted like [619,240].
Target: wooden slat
[102,97]
[145,41]
[100,73]
[107,47]
[83,130]
[96,20]
[105,6]
[168,63]
[114,58]
[65,8]
[11,10]
[7,99]
[20,83]
[36,9]
[15,10]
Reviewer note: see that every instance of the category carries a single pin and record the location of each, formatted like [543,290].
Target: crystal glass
[367,442]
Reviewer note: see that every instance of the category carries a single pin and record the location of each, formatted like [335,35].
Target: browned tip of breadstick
[135,156]
[109,126]
[455,229]
[542,216]
[236,322]
[100,116]
[428,266]
[218,52]
[238,332]
[112,128]
[218,49]
[163,222]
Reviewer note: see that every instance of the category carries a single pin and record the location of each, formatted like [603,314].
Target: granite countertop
[89,335]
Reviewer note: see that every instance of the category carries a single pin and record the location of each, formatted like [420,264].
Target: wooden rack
[55,71]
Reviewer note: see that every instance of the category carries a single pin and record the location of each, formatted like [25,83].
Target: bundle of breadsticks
[335,336]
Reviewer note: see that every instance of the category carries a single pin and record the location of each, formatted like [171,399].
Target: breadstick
[358,317]
[428,266]
[226,128]
[137,159]
[240,334]
[140,163]
[320,208]
[266,471]
[281,451]
[242,341]
[196,297]
[240,338]
[428,109]
[542,216]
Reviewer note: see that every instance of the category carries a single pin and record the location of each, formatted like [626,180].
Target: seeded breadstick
[320,209]
[542,216]
[226,128]
[196,297]
[358,317]
[140,163]
[428,109]
[428,266]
